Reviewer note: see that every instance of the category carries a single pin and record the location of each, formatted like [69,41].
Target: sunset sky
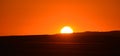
[26,17]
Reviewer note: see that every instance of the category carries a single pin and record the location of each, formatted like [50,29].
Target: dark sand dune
[77,44]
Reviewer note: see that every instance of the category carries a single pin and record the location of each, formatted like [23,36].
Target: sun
[66,30]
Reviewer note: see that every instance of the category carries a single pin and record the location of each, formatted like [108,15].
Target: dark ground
[77,44]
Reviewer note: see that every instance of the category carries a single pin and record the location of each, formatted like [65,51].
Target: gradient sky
[24,17]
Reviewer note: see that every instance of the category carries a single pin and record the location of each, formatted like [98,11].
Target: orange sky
[24,17]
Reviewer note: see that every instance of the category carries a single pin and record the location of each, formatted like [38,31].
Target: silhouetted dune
[76,44]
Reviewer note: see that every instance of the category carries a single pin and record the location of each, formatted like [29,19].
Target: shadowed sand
[76,44]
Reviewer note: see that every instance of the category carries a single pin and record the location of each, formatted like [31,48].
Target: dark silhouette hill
[76,44]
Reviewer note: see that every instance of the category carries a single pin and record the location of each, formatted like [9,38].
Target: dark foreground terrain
[77,44]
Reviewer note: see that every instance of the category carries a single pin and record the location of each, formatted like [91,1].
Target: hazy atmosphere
[24,17]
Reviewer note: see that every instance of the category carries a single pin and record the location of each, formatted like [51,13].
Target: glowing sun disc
[66,30]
